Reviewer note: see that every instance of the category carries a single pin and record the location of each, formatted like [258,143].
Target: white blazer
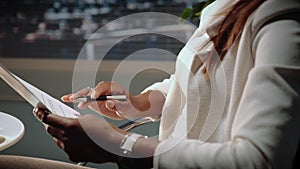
[247,115]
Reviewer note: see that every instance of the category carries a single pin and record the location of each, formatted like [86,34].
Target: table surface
[11,130]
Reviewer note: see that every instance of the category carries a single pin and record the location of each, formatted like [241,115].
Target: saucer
[11,130]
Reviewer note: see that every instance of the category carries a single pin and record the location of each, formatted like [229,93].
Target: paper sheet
[52,104]
[36,96]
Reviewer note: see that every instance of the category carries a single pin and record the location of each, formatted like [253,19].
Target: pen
[100,98]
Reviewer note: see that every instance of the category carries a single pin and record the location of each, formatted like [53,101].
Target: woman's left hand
[87,138]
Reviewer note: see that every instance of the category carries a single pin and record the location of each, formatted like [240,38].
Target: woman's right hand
[131,108]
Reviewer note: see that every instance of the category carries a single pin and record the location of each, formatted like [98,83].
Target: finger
[83,105]
[124,106]
[66,98]
[83,92]
[123,109]
[101,108]
[59,143]
[110,105]
[100,89]
[106,88]
[51,119]
[127,110]
[59,121]
[55,132]
[41,113]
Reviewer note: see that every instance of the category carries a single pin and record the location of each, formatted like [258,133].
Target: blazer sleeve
[265,131]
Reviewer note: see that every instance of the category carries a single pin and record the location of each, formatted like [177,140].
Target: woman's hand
[148,104]
[87,138]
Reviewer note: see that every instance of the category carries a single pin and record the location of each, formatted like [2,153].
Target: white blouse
[247,114]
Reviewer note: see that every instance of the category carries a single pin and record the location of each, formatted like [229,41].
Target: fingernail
[63,98]
[38,114]
[34,110]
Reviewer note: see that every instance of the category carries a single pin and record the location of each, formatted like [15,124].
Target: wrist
[141,152]
[133,156]
[128,143]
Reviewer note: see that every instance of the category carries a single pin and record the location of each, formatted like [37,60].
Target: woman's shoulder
[271,9]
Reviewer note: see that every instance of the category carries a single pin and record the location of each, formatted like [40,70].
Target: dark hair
[231,27]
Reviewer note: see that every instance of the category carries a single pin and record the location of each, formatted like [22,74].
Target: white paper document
[36,96]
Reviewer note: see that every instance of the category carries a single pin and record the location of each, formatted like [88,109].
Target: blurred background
[59,28]
[40,41]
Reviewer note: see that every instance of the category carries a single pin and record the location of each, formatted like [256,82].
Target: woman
[233,101]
